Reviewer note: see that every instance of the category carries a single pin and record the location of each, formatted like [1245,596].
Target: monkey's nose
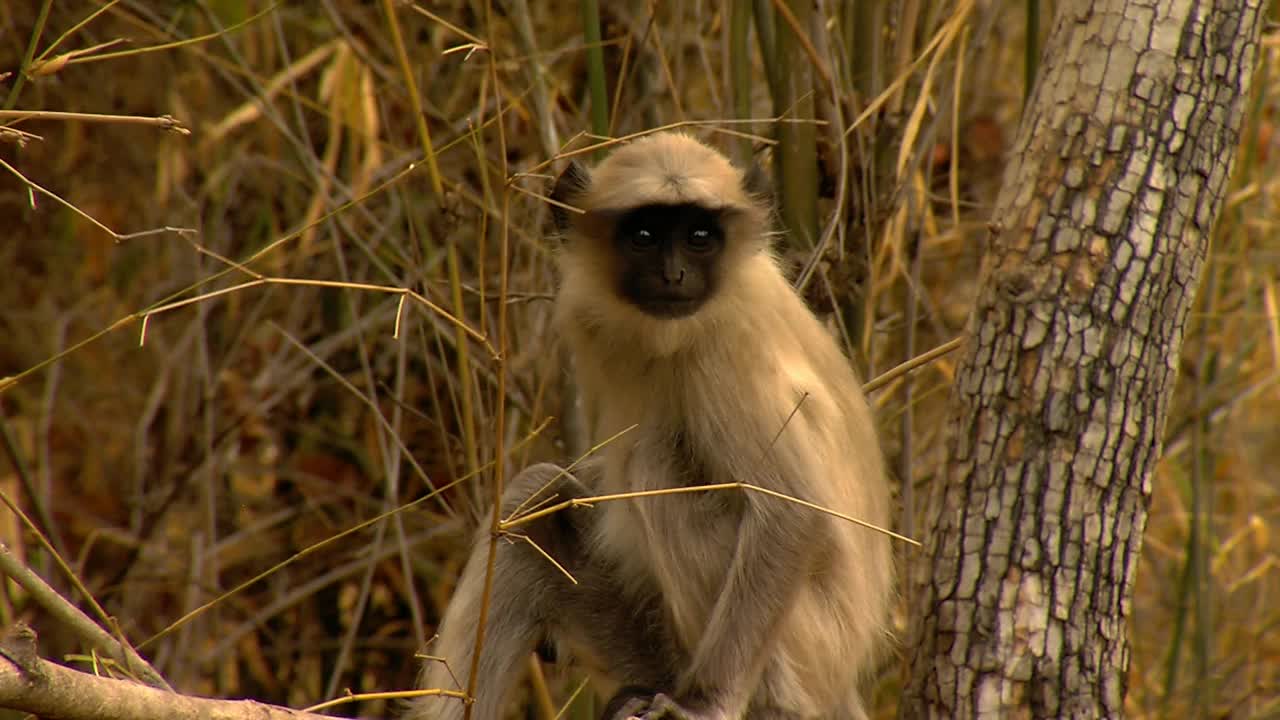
[673,274]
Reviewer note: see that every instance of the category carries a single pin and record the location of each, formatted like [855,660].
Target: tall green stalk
[1031,49]
[740,68]
[796,156]
[596,85]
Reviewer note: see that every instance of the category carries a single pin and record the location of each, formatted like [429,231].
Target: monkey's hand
[661,707]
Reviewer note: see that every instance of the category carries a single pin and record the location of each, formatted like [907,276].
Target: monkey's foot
[662,707]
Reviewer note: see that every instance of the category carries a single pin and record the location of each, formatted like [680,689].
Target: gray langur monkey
[722,604]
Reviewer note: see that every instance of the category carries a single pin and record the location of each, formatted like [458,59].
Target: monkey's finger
[634,708]
[663,707]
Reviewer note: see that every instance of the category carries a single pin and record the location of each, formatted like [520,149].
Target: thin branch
[894,373]
[118,236]
[390,695]
[57,558]
[164,122]
[7,382]
[310,549]
[71,616]
[227,31]
[591,501]
[267,280]
[714,125]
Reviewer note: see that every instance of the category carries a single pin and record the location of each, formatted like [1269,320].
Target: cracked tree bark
[1096,246]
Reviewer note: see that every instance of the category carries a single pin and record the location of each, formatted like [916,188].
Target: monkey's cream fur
[763,395]
[751,606]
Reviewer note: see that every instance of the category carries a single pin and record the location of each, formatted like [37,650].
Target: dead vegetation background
[214,378]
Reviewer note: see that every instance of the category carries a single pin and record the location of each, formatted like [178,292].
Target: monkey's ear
[571,184]
[757,183]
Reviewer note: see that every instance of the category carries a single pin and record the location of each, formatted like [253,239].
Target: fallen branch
[32,684]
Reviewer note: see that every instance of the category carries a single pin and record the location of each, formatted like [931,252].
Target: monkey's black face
[668,257]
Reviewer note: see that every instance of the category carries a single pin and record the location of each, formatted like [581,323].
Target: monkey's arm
[776,542]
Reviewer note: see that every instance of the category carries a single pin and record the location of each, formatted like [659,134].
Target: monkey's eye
[642,239]
[702,240]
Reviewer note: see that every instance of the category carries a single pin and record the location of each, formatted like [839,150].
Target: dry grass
[323,345]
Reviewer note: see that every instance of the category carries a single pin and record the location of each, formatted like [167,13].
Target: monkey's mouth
[670,308]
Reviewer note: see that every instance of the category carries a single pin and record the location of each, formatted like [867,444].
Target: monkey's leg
[532,601]
[619,631]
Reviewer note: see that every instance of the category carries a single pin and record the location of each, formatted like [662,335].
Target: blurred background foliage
[213,363]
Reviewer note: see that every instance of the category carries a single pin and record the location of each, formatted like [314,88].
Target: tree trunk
[1096,247]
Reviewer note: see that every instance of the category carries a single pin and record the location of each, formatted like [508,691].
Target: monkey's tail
[524,597]
[510,635]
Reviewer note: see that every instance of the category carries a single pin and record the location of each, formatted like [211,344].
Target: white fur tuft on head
[666,168]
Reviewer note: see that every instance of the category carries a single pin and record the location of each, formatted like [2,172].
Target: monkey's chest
[682,531]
